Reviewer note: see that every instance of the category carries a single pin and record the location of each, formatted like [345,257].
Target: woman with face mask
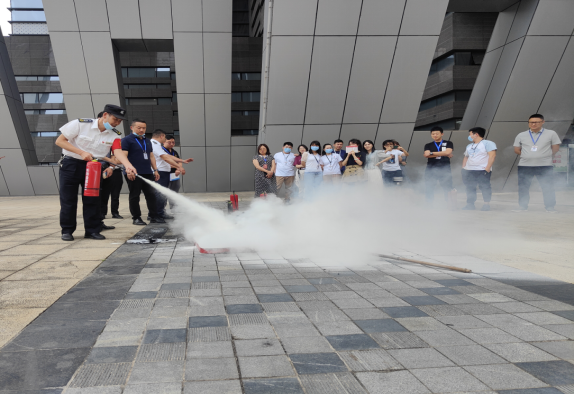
[313,168]
[331,163]
[264,164]
[354,162]
[373,160]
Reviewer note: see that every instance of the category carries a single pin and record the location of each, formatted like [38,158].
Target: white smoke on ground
[340,226]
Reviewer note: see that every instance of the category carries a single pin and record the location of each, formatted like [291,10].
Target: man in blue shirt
[338,146]
[139,152]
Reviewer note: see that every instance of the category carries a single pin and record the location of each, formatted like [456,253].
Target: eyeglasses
[535,122]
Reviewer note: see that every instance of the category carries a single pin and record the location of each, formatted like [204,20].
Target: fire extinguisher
[234,198]
[93,174]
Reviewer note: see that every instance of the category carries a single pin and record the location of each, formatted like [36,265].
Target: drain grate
[248,319]
[208,334]
[162,352]
[331,384]
[370,360]
[92,375]
[174,294]
[398,340]
[135,304]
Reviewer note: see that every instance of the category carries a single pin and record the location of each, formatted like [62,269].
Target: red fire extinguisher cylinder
[93,175]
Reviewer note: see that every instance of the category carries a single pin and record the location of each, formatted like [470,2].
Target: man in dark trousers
[139,153]
[438,152]
[110,185]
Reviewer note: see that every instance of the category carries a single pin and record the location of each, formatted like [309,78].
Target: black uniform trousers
[111,186]
[136,187]
[545,176]
[72,175]
[440,174]
[474,178]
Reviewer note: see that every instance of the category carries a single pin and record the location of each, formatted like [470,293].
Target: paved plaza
[163,318]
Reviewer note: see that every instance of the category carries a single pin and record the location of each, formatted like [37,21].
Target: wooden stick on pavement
[448,267]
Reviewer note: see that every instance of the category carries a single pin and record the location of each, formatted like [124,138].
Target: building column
[527,69]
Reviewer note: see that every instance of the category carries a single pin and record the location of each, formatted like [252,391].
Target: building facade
[223,75]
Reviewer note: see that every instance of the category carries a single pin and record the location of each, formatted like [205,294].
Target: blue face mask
[108,126]
[328,150]
[315,148]
[287,150]
[470,139]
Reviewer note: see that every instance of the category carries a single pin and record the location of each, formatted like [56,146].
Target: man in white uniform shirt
[164,162]
[285,170]
[536,147]
[477,164]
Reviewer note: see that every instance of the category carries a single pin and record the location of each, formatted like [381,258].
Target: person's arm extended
[384,160]
[122,157]
[491,157]
[555,148]
[170,160]
[63,143]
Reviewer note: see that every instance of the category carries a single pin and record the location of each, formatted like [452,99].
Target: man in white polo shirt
[536,147]
[285,170]
[477,164]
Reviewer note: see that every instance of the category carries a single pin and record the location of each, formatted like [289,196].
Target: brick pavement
[166,319]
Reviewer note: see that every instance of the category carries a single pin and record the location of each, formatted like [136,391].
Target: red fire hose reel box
[93,176]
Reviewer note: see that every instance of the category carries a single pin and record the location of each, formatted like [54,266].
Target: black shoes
[117,216]
[139,222]
[157,220]
[94,236]
[67,237]
[104,227]
[167,216]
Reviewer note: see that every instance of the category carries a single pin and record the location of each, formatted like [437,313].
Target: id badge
[264,166]
[145,155]
[534,148]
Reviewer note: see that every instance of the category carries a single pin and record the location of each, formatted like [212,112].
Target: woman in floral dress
[264,164]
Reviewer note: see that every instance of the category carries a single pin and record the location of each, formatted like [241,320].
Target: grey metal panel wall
[527,69]
[341,67]
[43,180]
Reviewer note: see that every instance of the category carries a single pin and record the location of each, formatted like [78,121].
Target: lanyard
[144,148]
[330,161]
[476,146]
[532,138]
[286,157]
[314,156]
[438,146]
[168,152]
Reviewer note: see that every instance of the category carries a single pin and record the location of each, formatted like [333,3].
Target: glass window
[31,111]
[245,113]
[463,58]
[250,97]
[240,17]
[52,111]
[172,76]
[141,101]
[163,85]
[251,76]
[244,132]
[163,72]
[164,101]
[141,72]
[447,98]
[50,98]
[27,4]
[240,5]
[235,97]
[28,16]
[175,113]
[30,98]
[26,78]
[124,72]
[463,95]
[252,113]
[50,133]
[176,132]
[235,76]
[241,30]
[174,97]
[140,86]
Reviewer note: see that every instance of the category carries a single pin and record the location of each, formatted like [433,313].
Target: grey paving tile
[503,321]
[126,325]
[168,311]
[84,390]
[397,382]
[115,354]
[167,323]
[230,291]
[220,349]
[252,332]
[211,369]
[208,334]
[339,383]
[560,349]
[381,325]
[449,379]
[479,309]
[207,321]
[243,308]
[161,352]
[165,336]
[555,373]
[283,297]
[295,330]
[516,307]
[441,310]
[489,335]
[316,296]
[462,322]
[317,363]
[566,330]
[568,389]
[519,352]
[337,295]
[456,299]
[258,347]
[470,355]
[504,377]
[300,288]
[329,315]
[533,333]
[240,300]
[153,388]
[338,327]
[365,314]
[444,338]
[470,289]
[322,281]
[248,319]
[280,307]
[119,338]
[542,390]
[439,290]
[332,287]
[352,303]
[565,314]
[453,282]
[420,358]
[213,387]
[422,300]
[370,360]
[543,318]
[315,344]
[163,371]
[385,302]
[404,311]
[265,366]
[421,323]
[90,375]
[270,290]
[351,342]
[398,340]
[551,306]
[272,386]
[129,314]
[176,286]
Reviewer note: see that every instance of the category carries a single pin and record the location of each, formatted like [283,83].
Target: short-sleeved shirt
[158,151]
[312,162]
[284,164]
[478,155]
[543,154]
[135,147]
[395,166]
[441,160]
[174,153]
[331,164]
[343,154]
[84,134]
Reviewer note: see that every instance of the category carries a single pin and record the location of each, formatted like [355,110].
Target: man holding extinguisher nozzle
[83,140]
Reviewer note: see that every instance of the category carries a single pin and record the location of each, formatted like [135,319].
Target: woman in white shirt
[392,169]
[373,159]
[313,170]
[331,163]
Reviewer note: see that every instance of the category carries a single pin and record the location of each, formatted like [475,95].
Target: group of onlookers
[308,168]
